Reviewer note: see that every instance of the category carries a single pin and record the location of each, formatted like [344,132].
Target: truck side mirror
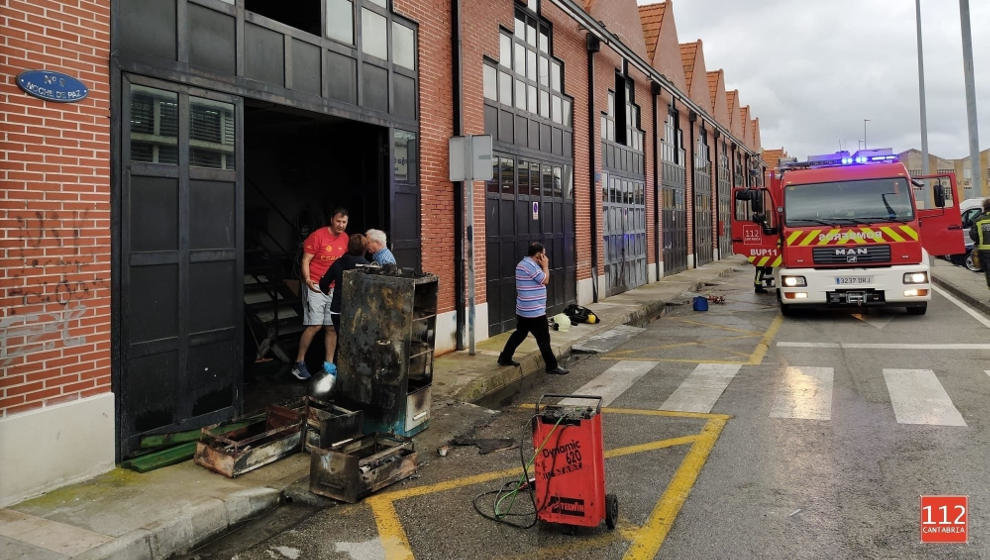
[744,195]
[939,191]
[757,202]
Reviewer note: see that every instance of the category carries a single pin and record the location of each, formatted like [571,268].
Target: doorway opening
[299,167]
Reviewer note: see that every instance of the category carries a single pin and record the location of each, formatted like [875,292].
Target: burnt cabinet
[386,346]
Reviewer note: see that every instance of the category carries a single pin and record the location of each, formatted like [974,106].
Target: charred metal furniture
[265,439]
[328,424]
[353,470]
[385,348]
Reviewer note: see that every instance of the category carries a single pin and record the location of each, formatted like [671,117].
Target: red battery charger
[569,465]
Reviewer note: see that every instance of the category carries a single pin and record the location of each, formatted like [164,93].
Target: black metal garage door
[180,281]
[672,187]
[724,202]
[702,189]
[527,200]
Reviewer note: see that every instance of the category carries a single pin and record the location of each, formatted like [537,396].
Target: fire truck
[848,230]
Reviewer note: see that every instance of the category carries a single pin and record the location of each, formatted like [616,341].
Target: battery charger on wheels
[569,466]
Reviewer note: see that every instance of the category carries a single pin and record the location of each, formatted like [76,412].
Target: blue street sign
[52,86]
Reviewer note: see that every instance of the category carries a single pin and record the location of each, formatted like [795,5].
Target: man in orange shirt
[320,250]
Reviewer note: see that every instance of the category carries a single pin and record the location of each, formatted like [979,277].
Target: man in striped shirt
[532,277]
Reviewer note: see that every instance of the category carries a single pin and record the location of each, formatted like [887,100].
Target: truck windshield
[845,202]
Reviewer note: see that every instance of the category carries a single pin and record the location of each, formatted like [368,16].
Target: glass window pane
[403,46]
[531,4]
[566,110]
[531,65]
[493,183]
[404,148]
[555,75]
[520,94]
[520,29]
[211,133]
[531,98]
[505,50]
[508,181]
[557,176]
[523,182]
[504,88]
[340,21]
[378,2]
[611,104]
[604,127]
[520,60]
[544,72]
[547,180]
[544,41]
[555,109]
[374,34]
[544,104]
[154,125]
[531,35]
[490,82]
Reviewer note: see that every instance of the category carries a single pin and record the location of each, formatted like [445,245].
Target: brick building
[143,222]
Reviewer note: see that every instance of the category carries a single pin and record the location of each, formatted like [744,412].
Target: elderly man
[376,246]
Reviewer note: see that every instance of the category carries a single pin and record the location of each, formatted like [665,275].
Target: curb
[532,366]
[962,294]
[197,523]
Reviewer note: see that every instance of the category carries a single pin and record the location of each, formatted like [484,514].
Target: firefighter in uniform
[980,232]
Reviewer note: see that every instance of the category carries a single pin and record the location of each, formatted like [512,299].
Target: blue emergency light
[843,157]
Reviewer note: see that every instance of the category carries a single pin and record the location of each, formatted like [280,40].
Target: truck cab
[849,231]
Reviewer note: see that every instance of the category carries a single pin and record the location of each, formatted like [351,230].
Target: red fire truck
[847,230]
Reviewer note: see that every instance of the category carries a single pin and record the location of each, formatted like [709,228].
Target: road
[735,433]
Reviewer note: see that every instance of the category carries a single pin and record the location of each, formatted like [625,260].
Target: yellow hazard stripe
[776,262]
[909,231]
[793,237]
[750,259]
[763,261]
[829,237]
[891,233]
[810,237]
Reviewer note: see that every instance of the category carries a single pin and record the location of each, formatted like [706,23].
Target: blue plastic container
[700,303]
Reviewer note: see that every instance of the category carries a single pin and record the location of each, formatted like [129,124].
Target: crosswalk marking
[918,398]
[613,382]
[701,389]
[806,394]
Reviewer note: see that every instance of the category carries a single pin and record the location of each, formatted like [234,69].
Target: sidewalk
[123,514]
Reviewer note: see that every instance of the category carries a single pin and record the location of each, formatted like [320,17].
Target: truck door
[941,227]
[752,218]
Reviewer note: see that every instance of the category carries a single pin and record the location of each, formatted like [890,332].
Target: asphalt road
[735,433]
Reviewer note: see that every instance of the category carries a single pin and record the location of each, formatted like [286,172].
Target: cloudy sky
[813,70]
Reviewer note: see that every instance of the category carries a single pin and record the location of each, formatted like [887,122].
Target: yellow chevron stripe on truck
[859,236]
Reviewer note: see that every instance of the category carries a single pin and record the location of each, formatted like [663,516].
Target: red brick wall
[436,127]
[54,207]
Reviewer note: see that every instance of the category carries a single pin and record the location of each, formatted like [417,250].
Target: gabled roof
[713,77]
[621,17]
[651,16]
[689,53]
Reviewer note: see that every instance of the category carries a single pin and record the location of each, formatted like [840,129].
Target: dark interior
[301,14]
[299,166]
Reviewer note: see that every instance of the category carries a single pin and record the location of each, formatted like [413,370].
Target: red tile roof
[651,16]
[713,86]
[689,53]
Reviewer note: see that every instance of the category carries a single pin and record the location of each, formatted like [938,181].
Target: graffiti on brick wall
[21,335]
[57,257]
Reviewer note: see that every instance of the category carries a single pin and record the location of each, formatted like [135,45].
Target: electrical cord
[510,490]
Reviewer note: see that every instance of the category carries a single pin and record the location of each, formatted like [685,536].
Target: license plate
[853,280]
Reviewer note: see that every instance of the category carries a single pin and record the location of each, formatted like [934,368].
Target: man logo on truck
[851,252]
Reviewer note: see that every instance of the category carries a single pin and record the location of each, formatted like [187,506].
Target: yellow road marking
[623,529]
[761,348]
[651,535]
[718,327]
[393,536]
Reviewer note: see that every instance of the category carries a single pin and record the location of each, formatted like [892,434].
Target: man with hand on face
[532,277]
[320,250]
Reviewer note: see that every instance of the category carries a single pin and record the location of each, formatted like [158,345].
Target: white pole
[976,183]
[921,93]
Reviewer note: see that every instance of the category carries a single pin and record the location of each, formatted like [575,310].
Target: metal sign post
[470,160]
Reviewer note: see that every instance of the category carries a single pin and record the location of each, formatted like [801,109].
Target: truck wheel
[917,309]
[787,310]
[969,264]
[611,510]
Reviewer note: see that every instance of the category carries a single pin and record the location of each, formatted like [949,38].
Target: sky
[813,70]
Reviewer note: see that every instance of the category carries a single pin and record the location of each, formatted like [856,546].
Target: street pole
[864,132]
[921,93]
[976,181]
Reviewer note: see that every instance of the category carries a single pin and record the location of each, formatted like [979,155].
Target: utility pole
[921,92]
[864,132]
[976,182]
